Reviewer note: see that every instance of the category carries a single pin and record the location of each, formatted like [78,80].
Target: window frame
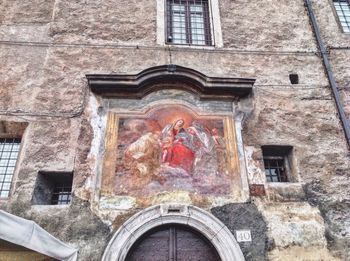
[215,27]
[338,17]
[13,138]
[53,188]
[14,130]
[188,16]
[278,153]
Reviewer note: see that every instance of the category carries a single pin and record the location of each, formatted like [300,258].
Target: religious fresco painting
[171,148]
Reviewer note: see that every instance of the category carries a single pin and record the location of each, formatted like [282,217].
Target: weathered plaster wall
[323,173]
[330,193]
[338,44]
[262,25]
[339,59]
[134,22]
[76,225]
[246,216]
[117,22]
[47,48]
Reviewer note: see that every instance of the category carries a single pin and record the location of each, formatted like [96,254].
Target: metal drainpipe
[329,72]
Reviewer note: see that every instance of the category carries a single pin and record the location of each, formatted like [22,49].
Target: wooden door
[172,243]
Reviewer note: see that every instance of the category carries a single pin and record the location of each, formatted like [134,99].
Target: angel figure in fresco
[205,157]
[185,148]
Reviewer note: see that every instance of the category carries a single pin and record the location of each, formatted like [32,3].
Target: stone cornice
[169,77]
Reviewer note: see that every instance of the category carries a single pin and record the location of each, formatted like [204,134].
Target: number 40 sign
[243,236]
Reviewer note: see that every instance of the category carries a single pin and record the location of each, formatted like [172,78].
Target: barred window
[53,188]
[275,169]
[62,195]
[188,22]
[9,149]
[342,8]
[277,163]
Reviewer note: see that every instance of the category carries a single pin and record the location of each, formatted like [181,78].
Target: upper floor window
[342,8]
[188,22]
[9,149]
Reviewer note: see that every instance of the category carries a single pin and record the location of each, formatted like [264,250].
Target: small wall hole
[294,78]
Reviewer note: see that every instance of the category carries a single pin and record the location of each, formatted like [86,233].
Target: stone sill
[49,210]
[285,192]
[184,46]
[47,207]
[283,184]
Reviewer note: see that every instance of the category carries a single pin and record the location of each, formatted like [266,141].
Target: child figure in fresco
[166,145]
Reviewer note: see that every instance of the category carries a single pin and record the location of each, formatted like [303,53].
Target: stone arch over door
[205,223]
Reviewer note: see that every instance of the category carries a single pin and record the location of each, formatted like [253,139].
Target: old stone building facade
[118,117]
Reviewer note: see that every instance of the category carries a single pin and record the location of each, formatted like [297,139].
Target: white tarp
[27,233]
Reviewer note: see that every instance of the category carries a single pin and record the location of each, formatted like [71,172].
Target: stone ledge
[285,192]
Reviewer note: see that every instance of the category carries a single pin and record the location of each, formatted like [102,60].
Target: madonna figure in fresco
[184,148]
[177,148]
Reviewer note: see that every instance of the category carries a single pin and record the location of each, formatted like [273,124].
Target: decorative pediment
[172,77]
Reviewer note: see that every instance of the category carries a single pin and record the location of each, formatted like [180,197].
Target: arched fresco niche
[172,135]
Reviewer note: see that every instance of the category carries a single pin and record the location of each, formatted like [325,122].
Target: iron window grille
[277,163]
[9,149]
[188,22]
[61,195]
[342,8]
[275,170]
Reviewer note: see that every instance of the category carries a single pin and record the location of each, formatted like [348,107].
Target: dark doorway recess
[172,243]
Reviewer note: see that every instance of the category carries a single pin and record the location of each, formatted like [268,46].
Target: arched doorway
[172,242]
[194,218]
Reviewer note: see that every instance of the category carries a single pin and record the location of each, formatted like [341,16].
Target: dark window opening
[277,163]
[294,78]
[188,22]
[53,188]
[9,149]
[342,7]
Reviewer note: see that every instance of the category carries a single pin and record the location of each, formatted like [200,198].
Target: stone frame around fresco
[110,155]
